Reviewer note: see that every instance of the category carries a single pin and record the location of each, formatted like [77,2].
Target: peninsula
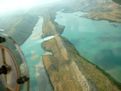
[66,68]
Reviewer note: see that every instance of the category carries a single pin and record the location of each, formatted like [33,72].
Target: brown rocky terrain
[96,9]
[106,11]
[67,70]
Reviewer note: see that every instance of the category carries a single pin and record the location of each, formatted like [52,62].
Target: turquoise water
[98,41]
[33,52]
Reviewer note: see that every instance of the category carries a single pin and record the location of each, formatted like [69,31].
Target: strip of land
[67,70]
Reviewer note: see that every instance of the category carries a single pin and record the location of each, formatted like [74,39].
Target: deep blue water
[97,40]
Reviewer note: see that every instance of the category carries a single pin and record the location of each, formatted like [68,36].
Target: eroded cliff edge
[67,70]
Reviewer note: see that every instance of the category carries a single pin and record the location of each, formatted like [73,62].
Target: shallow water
[33,52]
[98,41]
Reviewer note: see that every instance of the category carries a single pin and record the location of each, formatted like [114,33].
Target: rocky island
[67,69]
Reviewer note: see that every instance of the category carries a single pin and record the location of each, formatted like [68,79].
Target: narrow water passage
[33,52]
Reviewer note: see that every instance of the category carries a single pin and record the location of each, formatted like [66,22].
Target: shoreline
[63,54]
[101,19]
[112,80]
[102,71]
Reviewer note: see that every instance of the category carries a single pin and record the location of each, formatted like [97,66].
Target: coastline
[97,67]
[63,56]
[103,18]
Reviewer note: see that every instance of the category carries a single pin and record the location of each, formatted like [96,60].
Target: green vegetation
[117,1]
[19,26]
